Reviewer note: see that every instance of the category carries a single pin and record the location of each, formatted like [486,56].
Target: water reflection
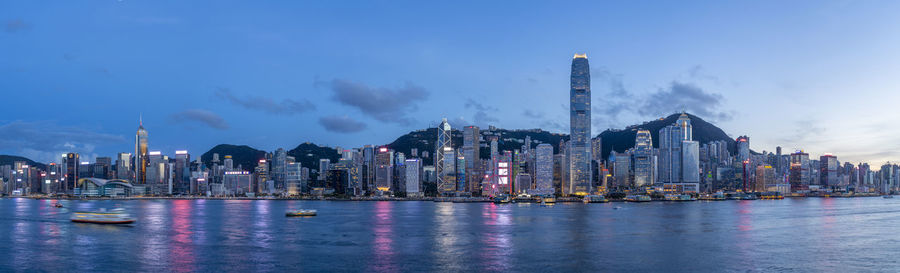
[495,238]
[182,243]
[383,260]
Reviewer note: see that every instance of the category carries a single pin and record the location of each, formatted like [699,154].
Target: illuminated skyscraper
[580,126]
[443,149]
[543,173]
[183,172]
[141,157]
[643,159]
[743,148]
[828,170]
[471,151]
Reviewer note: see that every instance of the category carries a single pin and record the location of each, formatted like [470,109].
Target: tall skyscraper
[472,152]
[384,160]
[743,148]
[799,172]
[443,149]
[141,155]
[580,126]
[123,166]
[279,168]
[543,173]
[71,176]
[413,177]
[679,166]
[643,159]
[183,172]
[828,170]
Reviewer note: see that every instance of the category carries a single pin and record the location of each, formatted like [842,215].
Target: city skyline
[278,81]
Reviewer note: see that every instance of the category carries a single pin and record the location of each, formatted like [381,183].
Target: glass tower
[580,126]
[141,156]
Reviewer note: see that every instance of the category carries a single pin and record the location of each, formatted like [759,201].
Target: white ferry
[113,217]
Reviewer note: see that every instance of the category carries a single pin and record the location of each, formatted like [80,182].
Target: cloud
[532,114]
[482,117]
[457,122]
[685,97]
[284,107]
[341,124]
[392,105]
[44,141]
[806,132]
[200,116]
[16,25]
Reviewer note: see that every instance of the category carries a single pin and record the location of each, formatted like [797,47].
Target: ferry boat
[502,199]
[301,212]
[680,197]
[114,217]
[595,199]
[549,199]
[637,198]
[771,195]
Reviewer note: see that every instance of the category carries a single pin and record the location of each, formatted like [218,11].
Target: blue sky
[76,76]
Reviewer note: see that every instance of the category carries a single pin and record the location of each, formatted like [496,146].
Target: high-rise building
[71,177]
[643,159]
[279,168]
[799,172]
[828,171]
[580,126]
[444,149]
[597,149]
[743,148]
[765,178]
[413,177]
[543,173]
[123,166]
[679,155]
[183,172]
[472,153]
[141,155]
[384,169]
[324,166]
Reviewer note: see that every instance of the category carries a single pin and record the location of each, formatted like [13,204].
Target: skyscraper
[183,172]
[472,152]
[384,160]
[443,149]
[543,171]
[141,156]
[828,170]
[580,126]
[643,159]
[743,148]
[679,166]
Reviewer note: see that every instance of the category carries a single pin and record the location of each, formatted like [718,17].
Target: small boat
[57,205]
[301,212]
[114,217]
[888,196]
[549,199]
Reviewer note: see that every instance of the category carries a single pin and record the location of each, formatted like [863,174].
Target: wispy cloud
[267,105]
[680,96]
[16,25]
[200,116]
[484,114]
[391,105]
[341,124]
[44,141]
